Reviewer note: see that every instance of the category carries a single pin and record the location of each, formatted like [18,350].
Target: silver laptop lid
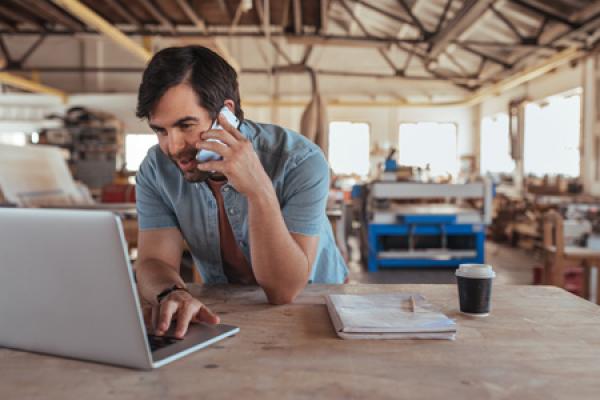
[66,287]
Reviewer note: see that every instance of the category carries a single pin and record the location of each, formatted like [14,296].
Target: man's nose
[177,141]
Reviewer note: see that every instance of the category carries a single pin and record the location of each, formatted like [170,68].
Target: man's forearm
[280,266]
[153,276]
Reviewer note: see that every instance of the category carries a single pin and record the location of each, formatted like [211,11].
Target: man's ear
[230,104]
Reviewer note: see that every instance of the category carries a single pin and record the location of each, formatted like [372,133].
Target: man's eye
[160,132]
[186,127]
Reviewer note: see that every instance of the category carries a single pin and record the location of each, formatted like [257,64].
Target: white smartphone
[207,155]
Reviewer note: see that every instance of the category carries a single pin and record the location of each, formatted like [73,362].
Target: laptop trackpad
[198,336]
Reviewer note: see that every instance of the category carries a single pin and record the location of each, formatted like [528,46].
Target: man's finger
[229,128]
[211,166]
[184,316]
[147,314]
[205,315]
[218,148]
[167,310]
[221,135]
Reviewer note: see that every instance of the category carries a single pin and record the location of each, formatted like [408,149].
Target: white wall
[122,105]
[558,81]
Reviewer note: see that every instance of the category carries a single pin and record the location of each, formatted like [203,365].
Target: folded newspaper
[387,316]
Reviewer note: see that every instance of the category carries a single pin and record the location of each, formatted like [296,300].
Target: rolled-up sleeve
[153,212]
[306,187]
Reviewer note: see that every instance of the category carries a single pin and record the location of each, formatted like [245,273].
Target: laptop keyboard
[159,342]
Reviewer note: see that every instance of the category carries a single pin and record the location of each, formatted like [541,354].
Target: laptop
[67,288]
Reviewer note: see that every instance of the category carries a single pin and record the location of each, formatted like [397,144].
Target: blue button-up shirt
[300,176]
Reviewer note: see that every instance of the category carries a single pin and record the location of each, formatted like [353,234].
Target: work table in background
[538,343]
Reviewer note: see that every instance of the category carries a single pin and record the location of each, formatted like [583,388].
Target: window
[349,147]
[13,138]
[136,147]
[429,143]
[552,134]
[495,145]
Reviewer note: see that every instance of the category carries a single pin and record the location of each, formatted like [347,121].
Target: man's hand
[240,164]
[183,307]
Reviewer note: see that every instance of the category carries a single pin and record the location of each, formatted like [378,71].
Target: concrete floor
[512,266]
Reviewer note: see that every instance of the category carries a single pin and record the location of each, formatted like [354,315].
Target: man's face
[179,122]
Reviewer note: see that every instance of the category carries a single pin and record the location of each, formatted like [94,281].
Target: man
[255,217]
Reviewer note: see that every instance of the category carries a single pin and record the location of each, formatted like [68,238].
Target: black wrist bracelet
[166,292]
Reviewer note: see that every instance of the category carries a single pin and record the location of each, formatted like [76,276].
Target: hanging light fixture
[246,5]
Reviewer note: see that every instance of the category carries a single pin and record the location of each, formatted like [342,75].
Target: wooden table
[538,343]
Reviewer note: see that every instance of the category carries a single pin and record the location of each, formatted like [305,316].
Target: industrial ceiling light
[246,5]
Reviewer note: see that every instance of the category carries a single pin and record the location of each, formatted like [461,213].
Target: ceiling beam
[307,53]
[546,11]
[290,68]
[5,51]
[526,75]
[119,9]
[266,28]
[520,78]
[470,12]
[407,61]
[214,42]
[383,12]
[504,64]
[223,7]
[191,14]
[503,45]
[91,18]
[224,52]
[540,31]
[587,12]
[323,14]
[457,64]
[297,17]
[19,82]
[416,22]
[354,18]
[443,16]
[31,49]
[14,15]
[264,17]
[507,22]
[280,51]
[388,60]
[301,69]
[63,18]
[157,14]
[564,39]
[237,16]
[345,41]
[285,15]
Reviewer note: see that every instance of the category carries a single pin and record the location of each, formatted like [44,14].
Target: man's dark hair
[209,75]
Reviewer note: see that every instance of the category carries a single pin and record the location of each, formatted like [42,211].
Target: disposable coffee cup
[475,288]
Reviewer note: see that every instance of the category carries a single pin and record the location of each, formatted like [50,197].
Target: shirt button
[226,189]
[231,211]
[241,243]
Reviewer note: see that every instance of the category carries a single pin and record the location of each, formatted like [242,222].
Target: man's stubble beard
[194,176]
